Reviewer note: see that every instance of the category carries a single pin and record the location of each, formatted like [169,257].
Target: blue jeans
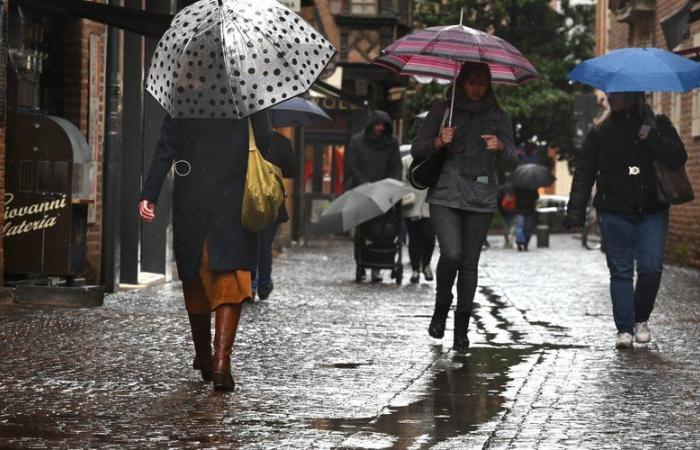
[630,239]
[523,228]
[263,276]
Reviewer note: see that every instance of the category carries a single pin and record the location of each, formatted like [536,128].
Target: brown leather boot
[201,337]
[227,317]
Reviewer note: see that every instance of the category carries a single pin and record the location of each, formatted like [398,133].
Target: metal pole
[111,175]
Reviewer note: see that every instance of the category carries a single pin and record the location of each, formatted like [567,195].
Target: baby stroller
[378,245]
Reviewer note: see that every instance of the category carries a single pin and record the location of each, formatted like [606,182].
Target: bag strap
[252,146]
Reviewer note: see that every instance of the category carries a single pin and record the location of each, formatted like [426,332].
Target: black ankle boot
[461,341]
[437,323]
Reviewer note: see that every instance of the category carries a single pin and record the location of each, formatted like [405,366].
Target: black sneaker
[264,292]
[428,273]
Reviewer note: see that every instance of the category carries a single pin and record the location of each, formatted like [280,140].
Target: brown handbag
[672,185]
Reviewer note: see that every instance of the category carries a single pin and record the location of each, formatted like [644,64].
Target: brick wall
[683,245]
[81,34]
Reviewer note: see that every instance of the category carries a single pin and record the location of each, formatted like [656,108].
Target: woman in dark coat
[463,200]
[215,255]
[617,157]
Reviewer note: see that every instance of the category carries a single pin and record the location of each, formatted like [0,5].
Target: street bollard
[542,236]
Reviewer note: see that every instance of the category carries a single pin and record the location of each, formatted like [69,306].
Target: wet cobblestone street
[325,363]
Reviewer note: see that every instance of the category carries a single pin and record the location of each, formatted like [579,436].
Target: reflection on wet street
[325,363]
[462,392]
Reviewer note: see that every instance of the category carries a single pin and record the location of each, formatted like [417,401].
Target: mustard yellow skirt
[208,290]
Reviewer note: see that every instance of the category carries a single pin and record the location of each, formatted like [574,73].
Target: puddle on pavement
[344,365]
[456,399]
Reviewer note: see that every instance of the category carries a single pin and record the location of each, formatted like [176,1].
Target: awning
[676,27]
[331,91]
[138,21]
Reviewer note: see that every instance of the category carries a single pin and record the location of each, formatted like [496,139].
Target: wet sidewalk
[327,363]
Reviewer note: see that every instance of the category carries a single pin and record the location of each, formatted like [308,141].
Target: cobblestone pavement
[326,363]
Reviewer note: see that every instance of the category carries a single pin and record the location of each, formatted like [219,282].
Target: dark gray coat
[207,201]
[468,177]
[371,159]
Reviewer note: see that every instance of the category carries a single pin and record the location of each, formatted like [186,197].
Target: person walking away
[463,200]
[215,255]
[524,216]
[617,157]
[373,155]
[421,236]
[506,206]
[281,155]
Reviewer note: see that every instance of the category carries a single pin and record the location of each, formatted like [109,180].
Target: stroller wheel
[359,274]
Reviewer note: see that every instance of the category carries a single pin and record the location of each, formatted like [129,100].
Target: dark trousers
[461,235]
[263,278]
[630,239]
[421,242]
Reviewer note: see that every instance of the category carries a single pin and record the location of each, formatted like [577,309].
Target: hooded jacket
[468,176]
[370,158]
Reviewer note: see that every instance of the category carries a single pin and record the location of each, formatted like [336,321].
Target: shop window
[43,176]
[363,7]
[60,177]
[26,176]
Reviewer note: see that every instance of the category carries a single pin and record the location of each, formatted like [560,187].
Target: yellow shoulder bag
[264,191]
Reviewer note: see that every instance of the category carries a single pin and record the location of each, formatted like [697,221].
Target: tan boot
[227,317]
[201,337]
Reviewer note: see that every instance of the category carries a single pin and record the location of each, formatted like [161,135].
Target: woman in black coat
[215,255]
[463,200]
[617,157]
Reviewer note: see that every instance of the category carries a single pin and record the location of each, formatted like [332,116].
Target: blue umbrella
[639,70]
[296,111]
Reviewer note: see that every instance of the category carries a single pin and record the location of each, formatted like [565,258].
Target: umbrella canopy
[440,52]
[362,203]
[231,58]
[638,70]
[531,176]
[297,111]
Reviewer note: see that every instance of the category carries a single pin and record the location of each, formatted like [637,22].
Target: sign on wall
[294,5]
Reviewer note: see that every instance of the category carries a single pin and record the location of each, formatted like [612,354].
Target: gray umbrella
[297,111]
[362,203]
[531,176]
[231,58]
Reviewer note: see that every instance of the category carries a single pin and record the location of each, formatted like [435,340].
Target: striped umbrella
[440,52]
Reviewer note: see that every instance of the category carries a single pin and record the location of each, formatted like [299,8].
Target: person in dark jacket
[374,152]
[525,203]
[373,155]
[215,255]
[463,200]
[281,155]
[617,157]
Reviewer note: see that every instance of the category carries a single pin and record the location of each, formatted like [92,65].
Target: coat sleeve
[353,163]
[395,166]
[423,145]
[162,160]
[585,175]
[666,144]
[508,155]
[262,129]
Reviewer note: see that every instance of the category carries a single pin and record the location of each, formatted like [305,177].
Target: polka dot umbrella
[231,58]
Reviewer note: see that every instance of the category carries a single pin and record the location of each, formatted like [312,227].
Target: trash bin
[542,236]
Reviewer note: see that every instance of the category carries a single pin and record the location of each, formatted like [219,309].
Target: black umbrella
[297,111]
[531,176]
